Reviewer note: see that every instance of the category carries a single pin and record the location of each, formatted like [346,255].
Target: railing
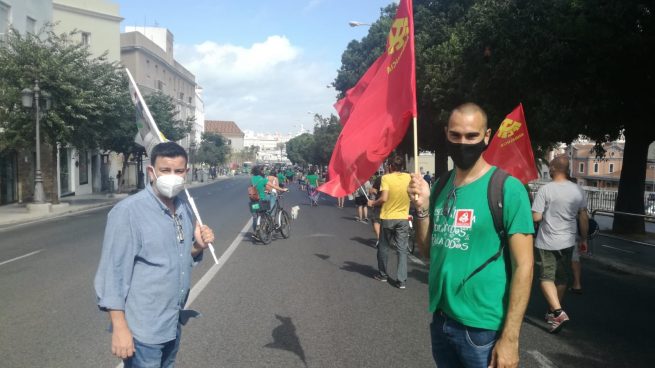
[604,200]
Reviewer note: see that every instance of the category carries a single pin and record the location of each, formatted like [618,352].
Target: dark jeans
[456,345]
[154,355]
[395,234]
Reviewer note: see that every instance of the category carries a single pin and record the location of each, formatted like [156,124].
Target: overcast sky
[265,64]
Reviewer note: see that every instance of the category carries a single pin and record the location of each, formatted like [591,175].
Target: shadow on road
[285,338]
[418,275]
[324,257]
[366,241]
[359,268]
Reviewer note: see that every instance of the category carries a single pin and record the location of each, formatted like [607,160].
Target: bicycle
[267,223]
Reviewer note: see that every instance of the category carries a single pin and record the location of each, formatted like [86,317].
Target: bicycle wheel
[285,224]
[264,228]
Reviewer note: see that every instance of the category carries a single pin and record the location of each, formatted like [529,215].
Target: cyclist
[312,184]
[261,182]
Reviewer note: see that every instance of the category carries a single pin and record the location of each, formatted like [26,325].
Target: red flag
[511,150]
[377,110]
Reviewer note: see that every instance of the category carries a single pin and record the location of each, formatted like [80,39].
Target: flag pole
[414,126]
[195,212]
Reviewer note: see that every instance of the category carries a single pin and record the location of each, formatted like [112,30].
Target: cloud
[268,86]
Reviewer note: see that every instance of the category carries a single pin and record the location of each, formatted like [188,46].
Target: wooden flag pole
[415,128]
[414,124]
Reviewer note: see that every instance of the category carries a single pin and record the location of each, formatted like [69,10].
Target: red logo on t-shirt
[463,218]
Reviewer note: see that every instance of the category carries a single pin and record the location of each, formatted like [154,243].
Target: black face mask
[465,155]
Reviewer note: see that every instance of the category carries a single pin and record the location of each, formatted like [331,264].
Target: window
[611,168]
[160,85]
[86,38]
[30,25]
[581,168]
[596,168]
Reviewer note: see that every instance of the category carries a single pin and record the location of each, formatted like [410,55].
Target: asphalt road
[306,301]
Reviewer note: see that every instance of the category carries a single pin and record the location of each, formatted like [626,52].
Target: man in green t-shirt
[476,320]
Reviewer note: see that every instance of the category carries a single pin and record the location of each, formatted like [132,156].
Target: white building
[272,146]
[98,23]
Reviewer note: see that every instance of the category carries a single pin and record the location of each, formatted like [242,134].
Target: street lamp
[28,97]
[354,23]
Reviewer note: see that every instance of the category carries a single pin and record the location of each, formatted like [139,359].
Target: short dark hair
[397,163]
[256,170]
[167,149]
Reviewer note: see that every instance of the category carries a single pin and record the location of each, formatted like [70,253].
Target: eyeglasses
[449,203]
[179,229]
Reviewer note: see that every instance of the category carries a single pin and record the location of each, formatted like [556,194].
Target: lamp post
[28,98]
[354,23]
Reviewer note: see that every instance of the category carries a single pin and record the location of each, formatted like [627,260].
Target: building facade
[229,130]
[17,166]
[97,23]
[148,53]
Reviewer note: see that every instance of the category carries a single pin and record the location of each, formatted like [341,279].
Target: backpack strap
[437,188]
[496,200]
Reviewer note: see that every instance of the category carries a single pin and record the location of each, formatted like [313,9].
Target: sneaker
[549,315]
[377,242]
[379,277]
[556,323]
[357,219]
[365,220]
[401,285]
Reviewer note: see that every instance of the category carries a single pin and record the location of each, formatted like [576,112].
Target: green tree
[165,113]
[326,133]
[300,149]
[213,149]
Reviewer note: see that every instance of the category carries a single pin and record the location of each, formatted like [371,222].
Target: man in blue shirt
[151,242]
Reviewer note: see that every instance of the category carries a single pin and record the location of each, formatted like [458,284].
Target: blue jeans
[456,345]
[154,355]
[395,233]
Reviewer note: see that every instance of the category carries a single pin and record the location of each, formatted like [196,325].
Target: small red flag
[511,150]
[376,111]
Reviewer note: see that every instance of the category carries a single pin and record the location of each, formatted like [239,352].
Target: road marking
[21,257]
[204,281]
[541,359]
[619,249]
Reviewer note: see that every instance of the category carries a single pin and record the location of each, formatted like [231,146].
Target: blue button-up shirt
[146,263]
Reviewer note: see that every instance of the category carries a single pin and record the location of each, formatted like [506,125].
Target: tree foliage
[315,149]
[85,91]
[164,112]
[213,149]
[579,67]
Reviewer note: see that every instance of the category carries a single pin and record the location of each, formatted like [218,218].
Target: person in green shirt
[281,178]
[477,320]
[312,184]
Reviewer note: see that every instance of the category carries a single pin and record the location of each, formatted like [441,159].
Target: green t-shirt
[463,241]
[281,178]
[312,179]
[259,182]
[288,173]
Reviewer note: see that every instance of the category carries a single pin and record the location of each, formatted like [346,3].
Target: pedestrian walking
[312,184]
[361,201]
[394,225]
[374,194]
[151,243]
[556,208]
[480,275]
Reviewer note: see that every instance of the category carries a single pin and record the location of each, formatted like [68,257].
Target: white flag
[148,135]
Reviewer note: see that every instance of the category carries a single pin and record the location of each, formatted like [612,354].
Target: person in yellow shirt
[393,215]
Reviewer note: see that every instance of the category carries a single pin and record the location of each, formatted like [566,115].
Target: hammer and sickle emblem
[398,35]
[508,127]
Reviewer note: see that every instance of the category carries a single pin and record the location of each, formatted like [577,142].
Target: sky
[268,65]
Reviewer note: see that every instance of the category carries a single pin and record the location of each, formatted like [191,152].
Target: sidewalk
[17,214]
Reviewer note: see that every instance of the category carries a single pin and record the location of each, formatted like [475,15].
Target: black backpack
[495,200]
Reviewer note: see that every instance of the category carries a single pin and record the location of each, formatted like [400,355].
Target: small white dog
[294,212]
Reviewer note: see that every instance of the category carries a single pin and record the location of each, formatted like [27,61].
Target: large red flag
[511,150]
[376,111]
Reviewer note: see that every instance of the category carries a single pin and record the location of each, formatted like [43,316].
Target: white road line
[541,359]
[619,249]
[204,281]
[21,257]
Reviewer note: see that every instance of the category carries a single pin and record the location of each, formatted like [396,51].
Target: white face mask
[169,185]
